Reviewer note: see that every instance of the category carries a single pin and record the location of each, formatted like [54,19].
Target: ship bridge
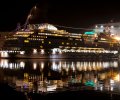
[43,26]
[47,26]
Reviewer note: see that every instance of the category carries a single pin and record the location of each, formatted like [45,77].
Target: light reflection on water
[37,75]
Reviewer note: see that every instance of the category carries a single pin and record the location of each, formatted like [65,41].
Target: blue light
[90,33]
[90,83]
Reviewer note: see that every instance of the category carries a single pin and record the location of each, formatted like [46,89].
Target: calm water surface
[39,75]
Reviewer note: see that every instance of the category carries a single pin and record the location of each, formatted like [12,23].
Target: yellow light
[41,46]
[117,38]
[25,35]
[117,77]
[49,42]
[26,41]
[42,30]
[26,75]
[42,41]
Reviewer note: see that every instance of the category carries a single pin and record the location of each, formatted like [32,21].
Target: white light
[34,66]
[111,88]
[101,88]
[112,26]
[105,64]
[10,65]
[53,51]
[15,65]
[42,51]
[22,64]
[35,7]
[112,81]
[35,51]
[115,52]
[47,26]
[96,26]
[51,88]
[42,65]
[115,64]
[60,52]
[101,26]
[4,63]
[22,52]
[54,66]
[4,54]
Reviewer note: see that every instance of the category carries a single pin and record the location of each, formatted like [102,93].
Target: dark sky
[75,13]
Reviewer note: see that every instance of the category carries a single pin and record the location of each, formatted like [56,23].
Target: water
[40,75]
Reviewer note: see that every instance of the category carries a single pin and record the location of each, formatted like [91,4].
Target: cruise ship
[47,41]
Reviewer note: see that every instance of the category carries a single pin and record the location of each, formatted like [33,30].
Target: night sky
[74,13]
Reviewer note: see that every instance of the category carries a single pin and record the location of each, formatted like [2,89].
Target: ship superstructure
[46,41]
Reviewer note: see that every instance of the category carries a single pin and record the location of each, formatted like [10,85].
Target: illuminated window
[26,41]
[41,46]
[96,26]
[42,41]
[62,42]
[42,30]
[49,42]
[67,43]
[75,43]
[111,44]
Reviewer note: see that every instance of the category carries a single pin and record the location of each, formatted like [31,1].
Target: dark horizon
[63,13]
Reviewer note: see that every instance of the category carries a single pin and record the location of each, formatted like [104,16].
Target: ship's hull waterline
[68,55]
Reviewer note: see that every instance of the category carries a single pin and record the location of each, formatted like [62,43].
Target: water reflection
[35,75]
